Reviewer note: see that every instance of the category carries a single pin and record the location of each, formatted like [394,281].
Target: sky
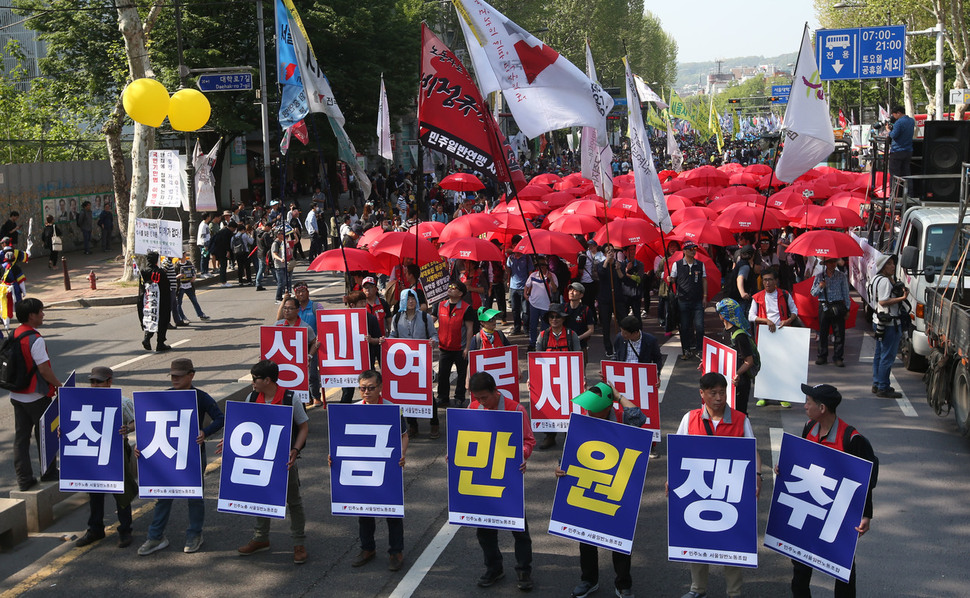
[731,29]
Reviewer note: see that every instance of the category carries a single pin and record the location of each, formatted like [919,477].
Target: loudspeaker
[946,145]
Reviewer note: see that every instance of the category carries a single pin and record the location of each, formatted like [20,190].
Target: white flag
[649,95]
[384,126]
[205,189]
[545,92]
[808,131]
[673,150]
[320,97]
[596,156]
[883,114]
[650,195]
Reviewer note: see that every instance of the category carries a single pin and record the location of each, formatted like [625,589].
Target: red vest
[37,384]
[759,298]
[450,324]
[838,444]
[695,425]
[378,310]
[554,343]
[487,344]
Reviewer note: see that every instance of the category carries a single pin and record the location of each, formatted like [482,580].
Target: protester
[154,303]
[689,278]
[186,283]
[85,222]
[901,129]
[518,267]
[748,361]
[308,314]
[489,336]
[635,346]
[456,320]
[742,282]
[11,228]
[579,316]
[203,239]
[53,242]
[413,323]
[540,287]
[282,255]
[610,300]
[831,287]
[556,337]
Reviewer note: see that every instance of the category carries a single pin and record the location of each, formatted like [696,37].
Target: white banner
[785,353]
[163,236]
[164,181]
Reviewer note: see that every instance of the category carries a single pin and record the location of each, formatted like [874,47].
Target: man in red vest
[772,307]
[715,418]
[456,320]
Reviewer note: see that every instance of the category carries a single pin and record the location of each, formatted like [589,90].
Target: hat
[825,394]
[879,263]
[458,285]
[101,373]
[181,367]
[485,315]
[746,251]
[596,398]
[555,308]
[369,280]
[578,286]
[300,284]
[592,242]
[689,245]
[226,213]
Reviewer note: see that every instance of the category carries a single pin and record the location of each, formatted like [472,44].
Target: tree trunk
[112,134]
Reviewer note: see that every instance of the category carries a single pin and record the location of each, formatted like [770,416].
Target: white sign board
[163,236]
[960,96]
[784,363]
[165,186]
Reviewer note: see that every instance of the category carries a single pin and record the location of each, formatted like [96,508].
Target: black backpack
[14,374]
[237,244]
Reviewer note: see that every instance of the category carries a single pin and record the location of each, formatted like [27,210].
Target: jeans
[801,582]
[366,526]
[195,303]
[537,322]
[445,361]
[203,261]
[519,305]
[282,282]
[589,566]
[825,322]
[96,519]
[163,508]
[691,325]
[294,502]
[260,270]
[882,360]
[86,235]
[26,418]
[733,576]
[606,321]
[106,237]
[488,540]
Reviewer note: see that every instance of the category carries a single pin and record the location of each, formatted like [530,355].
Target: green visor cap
[596,399]
[484,315]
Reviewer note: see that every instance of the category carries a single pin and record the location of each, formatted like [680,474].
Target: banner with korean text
[723,360]
[343,346]
[366,477]
[502,363]
[91,445]
[712,508]
[486,487]
[255,451]
[638,382]
[170,463]
[819,498]
[406,371]
[165,185]
[286,346]
[162,236]
[598,500]
[555,377]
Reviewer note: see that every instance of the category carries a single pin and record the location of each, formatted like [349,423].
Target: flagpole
[333,204]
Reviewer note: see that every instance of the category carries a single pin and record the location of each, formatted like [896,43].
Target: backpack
[14,374]
[754,352]
[424,318]
[237,244]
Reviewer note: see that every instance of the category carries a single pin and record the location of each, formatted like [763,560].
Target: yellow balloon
[146,101]
[188,110]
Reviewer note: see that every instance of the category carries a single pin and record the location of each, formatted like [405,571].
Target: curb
[115,300]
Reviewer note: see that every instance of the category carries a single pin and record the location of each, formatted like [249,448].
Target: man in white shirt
[202,239]
[539,288]
[765,306]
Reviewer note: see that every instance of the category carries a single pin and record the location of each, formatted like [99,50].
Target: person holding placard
[749,361]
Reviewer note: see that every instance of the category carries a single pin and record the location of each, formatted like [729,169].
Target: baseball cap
[746,251]
[181,367]
[101,373]
[596,398]
[689,245]
[369,280]
[578,286]
[459,285]
[484,315]
[826,394]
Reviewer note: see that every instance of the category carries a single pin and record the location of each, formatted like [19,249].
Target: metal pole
[189,165]
[264,105]
[939,70]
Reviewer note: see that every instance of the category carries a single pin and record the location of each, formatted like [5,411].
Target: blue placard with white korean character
[598,500]
[486,488]
[91,445]
[712,510]
[819,498]
[255,450]
[170,464]
[366,477]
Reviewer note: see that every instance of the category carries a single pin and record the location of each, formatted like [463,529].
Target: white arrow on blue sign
[866,53]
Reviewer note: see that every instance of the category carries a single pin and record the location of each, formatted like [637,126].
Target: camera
[898,289]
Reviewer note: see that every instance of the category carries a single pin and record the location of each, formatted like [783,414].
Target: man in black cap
[154,303]
[825,427]
[690,284]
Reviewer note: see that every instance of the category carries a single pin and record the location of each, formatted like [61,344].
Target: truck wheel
[961,397]
[912,361]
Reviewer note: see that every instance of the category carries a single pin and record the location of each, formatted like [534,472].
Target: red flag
[299,131]
[842,122]
[454,119]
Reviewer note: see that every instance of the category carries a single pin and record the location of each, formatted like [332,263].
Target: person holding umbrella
[831,287]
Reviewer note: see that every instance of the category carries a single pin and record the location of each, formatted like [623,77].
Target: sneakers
[89,537]
[525,583]
[299,554]
[875,389]
[610,356]
[889,393]
[585,589]
[227,285]
[395,562]
[260,288]
[252,548]
[786,405]
[124,540]
[695,595]
[204,317]
[821,361]
[145,343]
[839,363]
[490,577]
[151,546]
[162,348]
[193,545]
[364,557]
[761,403]
[435,432]
[624,593]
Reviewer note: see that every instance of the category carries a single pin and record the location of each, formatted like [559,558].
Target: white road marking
[671,353]
[147,355]
[776,434]
[868,348]
[423,564]
[904,405]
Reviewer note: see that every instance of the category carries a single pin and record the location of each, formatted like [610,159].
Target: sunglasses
[368,388]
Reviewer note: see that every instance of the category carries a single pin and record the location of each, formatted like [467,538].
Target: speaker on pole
[946,145]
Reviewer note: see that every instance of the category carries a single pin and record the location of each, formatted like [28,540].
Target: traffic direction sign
[780,93]
[226,82]
[861,53]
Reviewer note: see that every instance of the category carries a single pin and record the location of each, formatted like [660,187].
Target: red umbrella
[745,178]
[678,202]
[728,201]
[522,206]
[705,231]
[730,168]
[813,216]
[770,180]
[462,181]
[512,222]
[530,192]
[746,217]
[427,230]
[624,178]
[692,213]
[807,305]
[557,199]
[356,260]
[824,244]
[665,175]
[673,185]
[405,245]
[758,169]
[627,231]
[469,225]
[576,224]
[472,248]
[625,207]
[694,194]
[620,190]
[546,178]
[369,236]
[706,176]
[589,207]
[548,242]
[848,199]
[786,199]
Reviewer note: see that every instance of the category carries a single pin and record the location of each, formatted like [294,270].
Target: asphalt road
[917,546]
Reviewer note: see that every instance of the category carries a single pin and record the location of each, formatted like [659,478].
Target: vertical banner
[170,463]
[406,375]
[486,488]
[255,450]
[723,360]
[286,346]
[434,280]
[92,447]
[343,346]
[712,508]
[598,500]
[555,377]
[819,498]
[366,477]
[638,382]
[502,363]
[164,179]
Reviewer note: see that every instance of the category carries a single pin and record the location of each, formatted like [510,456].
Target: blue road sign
[781,90]
[226,82]
[866,53]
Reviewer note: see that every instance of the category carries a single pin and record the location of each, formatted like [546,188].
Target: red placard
[723,360]
[555,377]
[343,346]
[406,373]
[286,346]
[503,364]
[638,382]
